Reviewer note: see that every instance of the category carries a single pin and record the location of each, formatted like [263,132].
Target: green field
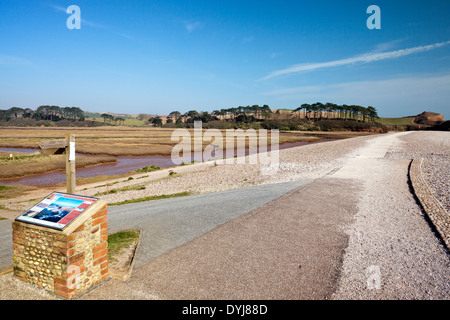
[128,122]
[397,121]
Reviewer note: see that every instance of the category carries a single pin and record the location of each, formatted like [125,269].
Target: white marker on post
[72,151]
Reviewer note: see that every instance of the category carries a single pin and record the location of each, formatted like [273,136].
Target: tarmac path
[6,256]
[169,223]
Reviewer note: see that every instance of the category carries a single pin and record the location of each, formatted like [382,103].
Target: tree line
[53,113]
[242,114]
[239,114]
[319,111]
[108,118]
[315,112]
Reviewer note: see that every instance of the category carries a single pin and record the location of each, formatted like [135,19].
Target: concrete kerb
[436,213]
[6,270]
[125,274]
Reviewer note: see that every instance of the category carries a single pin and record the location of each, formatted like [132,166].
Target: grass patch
[112,191]
[148,169]
[397,121]
[4,208]
[164,196]
[3,188]
[37,164]
[121,240]
[8,192]
[21,157]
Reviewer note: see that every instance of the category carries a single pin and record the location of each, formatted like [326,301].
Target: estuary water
[124,164]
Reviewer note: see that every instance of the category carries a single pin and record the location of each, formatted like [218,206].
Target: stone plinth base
[65,263]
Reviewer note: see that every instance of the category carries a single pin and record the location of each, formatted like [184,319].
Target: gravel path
[392,251]
[434,147]
[296,164]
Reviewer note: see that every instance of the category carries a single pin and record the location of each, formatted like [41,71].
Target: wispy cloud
[365,58]
[404,94]
[192,26]
[386,46]
[85,22]
[400,86]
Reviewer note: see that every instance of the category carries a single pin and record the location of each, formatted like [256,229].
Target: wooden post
[70,163]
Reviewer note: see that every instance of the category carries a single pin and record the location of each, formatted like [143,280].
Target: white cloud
[406,94]
[385,46]
[394,88]
[365,58]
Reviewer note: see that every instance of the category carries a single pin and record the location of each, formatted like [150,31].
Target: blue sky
[159,56]
[67,202]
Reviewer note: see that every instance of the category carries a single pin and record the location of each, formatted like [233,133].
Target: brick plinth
[64,264]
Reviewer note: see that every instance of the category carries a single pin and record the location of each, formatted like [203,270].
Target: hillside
[426,120]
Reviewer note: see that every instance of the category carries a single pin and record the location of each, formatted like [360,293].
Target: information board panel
[57,210]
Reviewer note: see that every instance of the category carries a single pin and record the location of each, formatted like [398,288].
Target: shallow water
[123,165]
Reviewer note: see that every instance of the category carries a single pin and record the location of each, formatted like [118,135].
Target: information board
[57,210]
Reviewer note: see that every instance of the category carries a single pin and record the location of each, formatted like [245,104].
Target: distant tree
[307,107]
[329,109]
[372,113]
[16,112]
[28,113]
[191,116]
[78,113]
[156,121]
[175,115]
[179,121]
[218,113]
[4,114]
[105,117]
[42,112]
[265,111]
[299,109]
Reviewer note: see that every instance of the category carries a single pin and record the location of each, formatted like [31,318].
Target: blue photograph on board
[58,209]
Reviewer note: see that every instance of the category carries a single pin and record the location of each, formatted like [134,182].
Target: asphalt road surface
[169,223]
